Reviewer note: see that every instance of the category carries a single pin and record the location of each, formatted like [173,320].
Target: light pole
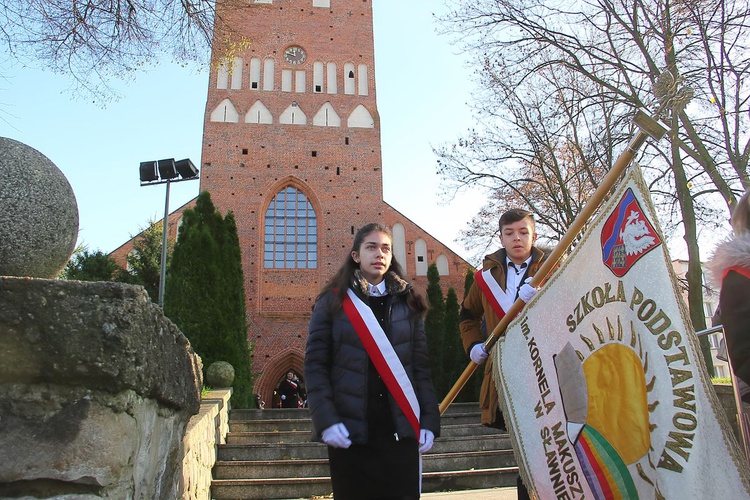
[165,172]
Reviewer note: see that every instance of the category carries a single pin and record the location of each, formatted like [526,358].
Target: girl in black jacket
[369,387]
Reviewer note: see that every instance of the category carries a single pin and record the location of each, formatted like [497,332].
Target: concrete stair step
[284,451]
[272,414]
[308,450]
[269,455]
[454,410]
[253,432]
[272,437]
[279,425]
[297,488]
[457,423]
[433,462]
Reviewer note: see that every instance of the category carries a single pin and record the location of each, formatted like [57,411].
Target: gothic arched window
[291,232]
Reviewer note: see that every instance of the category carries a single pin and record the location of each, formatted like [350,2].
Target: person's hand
[337,436]
[283,397]
[426,438]
[478,354]
[526,292]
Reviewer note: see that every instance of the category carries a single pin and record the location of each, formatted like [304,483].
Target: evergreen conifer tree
[434,327]
[90,266]
[455,358]
[205,295]
[144,262]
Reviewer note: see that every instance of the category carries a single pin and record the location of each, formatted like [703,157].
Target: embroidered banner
[601,376]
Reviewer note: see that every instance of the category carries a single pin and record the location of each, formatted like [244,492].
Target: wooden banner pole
[549,264]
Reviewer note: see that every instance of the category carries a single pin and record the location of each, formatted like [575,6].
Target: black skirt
[383,468]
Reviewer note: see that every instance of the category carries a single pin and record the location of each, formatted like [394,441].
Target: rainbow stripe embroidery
[605,471]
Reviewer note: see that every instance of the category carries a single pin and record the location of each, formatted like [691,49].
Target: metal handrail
[742,418]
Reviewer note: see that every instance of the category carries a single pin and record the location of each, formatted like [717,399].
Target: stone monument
[96,384]
[38,213]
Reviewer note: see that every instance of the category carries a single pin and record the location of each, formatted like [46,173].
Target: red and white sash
[383,356]
[496,296]
[738,269]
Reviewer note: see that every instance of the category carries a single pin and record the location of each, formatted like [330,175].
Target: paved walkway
[509,493]
[486,494]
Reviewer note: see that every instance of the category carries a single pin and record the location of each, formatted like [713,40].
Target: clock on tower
[295,55]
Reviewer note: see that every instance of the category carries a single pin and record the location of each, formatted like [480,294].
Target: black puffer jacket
[336,365]
[734,300]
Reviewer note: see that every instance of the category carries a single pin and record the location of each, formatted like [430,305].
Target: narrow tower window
[237,73]
[331,78]
[362,79]
[255,73]
[349,79]
[268,69]
[318,77]
[222,76]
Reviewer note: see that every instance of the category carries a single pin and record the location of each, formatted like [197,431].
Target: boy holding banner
[369,386]
[496,287]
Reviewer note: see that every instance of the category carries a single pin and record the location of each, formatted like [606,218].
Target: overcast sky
[423,86]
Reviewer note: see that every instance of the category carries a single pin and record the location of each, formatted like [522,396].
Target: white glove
[283,398]
[478,354]
[337,436]
[426,438]
[526,292]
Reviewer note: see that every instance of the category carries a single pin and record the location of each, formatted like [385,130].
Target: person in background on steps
[507,272]
[369,387]
[289,391]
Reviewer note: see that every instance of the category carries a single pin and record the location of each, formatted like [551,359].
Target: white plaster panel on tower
[321,3]
[300,81]
[360,118]
[362,79]
[420,257]
[293,116]
[318,77]
[225,112]
[222,76]
[237,73]
[286,80]
[258,113]
[268,68]
[327,117]
[442,265]
[255,73]
[349,79]
[263,1]
[399,245]
[331,85]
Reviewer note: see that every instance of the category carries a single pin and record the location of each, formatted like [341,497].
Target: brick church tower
[291,145]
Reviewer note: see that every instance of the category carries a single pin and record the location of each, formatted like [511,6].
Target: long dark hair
[340,281]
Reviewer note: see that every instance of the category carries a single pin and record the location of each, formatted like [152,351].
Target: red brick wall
[244,165]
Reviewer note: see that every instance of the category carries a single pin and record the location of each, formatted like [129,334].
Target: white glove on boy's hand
[478,354]
[337,436]
[526,292]
[426,438]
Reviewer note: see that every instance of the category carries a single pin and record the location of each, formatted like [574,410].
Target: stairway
[268,455]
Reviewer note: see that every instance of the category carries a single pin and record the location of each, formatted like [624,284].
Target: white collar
[519,269]
[376,290]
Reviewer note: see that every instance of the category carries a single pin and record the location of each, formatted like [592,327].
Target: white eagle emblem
[635,235]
